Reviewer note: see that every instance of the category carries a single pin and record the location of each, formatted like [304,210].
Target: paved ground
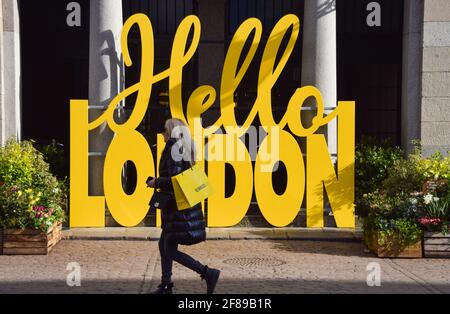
[248,266]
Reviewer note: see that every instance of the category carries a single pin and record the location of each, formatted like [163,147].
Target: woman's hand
[151,183]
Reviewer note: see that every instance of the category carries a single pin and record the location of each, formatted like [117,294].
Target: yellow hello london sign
[312,179]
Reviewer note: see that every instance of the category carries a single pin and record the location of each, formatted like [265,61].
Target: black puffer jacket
[183,227]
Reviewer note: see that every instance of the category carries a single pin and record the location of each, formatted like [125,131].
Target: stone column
[412,69]
[319,58]
[11,106]
[105,80]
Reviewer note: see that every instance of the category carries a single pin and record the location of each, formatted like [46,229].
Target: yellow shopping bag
[191,187]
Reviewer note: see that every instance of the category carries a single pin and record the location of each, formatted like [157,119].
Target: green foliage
[436,167]
[27,184]
[17,163]
[373,159]
[383,204]
[403,177]
[16,206]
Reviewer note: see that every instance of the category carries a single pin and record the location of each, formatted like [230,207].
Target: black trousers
[169,253]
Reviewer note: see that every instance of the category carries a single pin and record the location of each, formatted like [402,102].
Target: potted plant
[435,220]
[31,201]
[413,197]
[434,204]
[390,229]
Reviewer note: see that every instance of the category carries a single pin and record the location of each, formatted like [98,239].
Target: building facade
[391,56]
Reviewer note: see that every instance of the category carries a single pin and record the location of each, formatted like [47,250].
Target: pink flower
[430,221]
[38,208]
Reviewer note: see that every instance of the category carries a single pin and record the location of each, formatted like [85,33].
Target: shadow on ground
[256,286]
[337,248]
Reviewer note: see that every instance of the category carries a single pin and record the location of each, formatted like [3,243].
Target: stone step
[152,233]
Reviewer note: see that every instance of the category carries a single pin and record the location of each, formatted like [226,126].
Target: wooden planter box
[30,242]
[411,251]
[436,244]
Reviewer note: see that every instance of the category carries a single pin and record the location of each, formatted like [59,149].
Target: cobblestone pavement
[248,266]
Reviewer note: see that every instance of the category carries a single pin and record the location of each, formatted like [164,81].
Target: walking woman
[179,227]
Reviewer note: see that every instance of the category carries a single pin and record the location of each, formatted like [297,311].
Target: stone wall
[435,109]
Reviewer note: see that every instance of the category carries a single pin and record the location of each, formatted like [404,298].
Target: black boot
[163,288]
[211,276]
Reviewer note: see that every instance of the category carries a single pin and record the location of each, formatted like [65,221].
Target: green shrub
[373,159]
[382,203]
[435,167]
[408,176]
[403,177]
[17,163]
[30,196]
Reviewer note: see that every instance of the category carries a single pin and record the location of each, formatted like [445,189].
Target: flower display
[30,196]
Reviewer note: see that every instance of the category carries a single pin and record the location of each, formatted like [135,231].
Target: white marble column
[319,57]
[106,79]
[11,87]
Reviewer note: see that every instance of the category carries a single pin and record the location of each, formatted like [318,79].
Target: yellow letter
[232,76]
[199,102]
[320,172]
[280,210]
[128,210]
[227,212]
[143,87]
[179,58]
[85,210]
[269,72]
[160,144]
